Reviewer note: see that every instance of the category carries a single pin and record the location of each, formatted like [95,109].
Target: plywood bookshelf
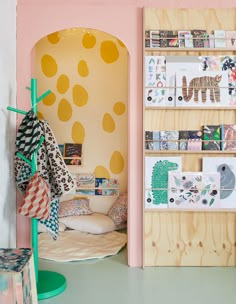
[188,237]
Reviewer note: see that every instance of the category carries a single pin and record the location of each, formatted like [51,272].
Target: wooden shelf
[176,236]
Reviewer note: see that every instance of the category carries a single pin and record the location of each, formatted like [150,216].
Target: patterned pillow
[75,207]
[118,211]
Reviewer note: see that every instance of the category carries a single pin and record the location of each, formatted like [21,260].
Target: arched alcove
[87,73]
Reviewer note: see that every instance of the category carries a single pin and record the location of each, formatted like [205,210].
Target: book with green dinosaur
[156,179]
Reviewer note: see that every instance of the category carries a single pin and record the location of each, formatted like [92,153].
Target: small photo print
[73,161]
[73,150]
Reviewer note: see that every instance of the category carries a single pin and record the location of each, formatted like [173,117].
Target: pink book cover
[231,39]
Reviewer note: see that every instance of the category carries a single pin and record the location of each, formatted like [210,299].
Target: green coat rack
[49,284]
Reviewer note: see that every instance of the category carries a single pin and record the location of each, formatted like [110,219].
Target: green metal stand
[50,284]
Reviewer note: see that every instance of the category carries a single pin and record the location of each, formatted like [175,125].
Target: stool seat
[17,276]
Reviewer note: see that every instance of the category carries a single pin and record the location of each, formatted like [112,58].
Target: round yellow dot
[78,132]
[116,163]
[108,123]
[49,99]
[63,84]
[48,65]
[64,110]
[40,115]
[100,172]
[80,95]
[109,51]
[83,68]
[119,108]
[54,37]
[89,40]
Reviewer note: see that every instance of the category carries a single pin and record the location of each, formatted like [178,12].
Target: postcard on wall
[169,140]
[156,179]
[73,150]
[193,190]
[226,167]
[73,161]
[61,148]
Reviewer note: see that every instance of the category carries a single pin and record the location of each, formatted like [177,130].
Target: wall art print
[226,167]
[190,190]
[156,179]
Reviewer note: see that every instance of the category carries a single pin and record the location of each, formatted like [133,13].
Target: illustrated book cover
[231,39]
[199,38]
[190,190]
[228,137]
[169,140]
[226,166]
[149,140]
[155,80]
[220,38]
[181,35]
[156,179]
[211,137]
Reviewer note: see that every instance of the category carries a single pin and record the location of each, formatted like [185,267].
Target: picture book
[155,80]
[220,38]
[202,88]
[228,137]
[147,39]
[155,97]
[211,137]
[188,40]
[156,140]
[85,180]
[181,35]
[72,150]
[156,179]
[169,140]
[169,38]
[226,166]
[231,39]
[199,38]
[195,140]
[190,140]
[193,190]
[148,140]
[154,39]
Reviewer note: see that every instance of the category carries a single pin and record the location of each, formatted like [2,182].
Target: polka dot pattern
[78,132]
[49,65]
[108,123]
[86,71]
[80,95]
[83,69]
[64,110]
[63,84]
[109,51]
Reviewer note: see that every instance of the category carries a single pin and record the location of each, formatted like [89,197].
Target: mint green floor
[111,281]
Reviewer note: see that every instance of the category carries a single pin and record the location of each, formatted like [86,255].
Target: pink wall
[37,18]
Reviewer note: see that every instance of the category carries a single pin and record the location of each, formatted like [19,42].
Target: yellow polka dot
[64,110]
[109,51]
[108,123]
[54,37]
[40,116]
[100,172]
[83,68]
[49,99]
[121,43]
[48,65]
[63,84]
[116,163]
[78,133]
[80,95]
[119,108]
[89,40]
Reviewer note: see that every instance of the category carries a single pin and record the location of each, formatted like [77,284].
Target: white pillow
[42,228]
[95,223]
